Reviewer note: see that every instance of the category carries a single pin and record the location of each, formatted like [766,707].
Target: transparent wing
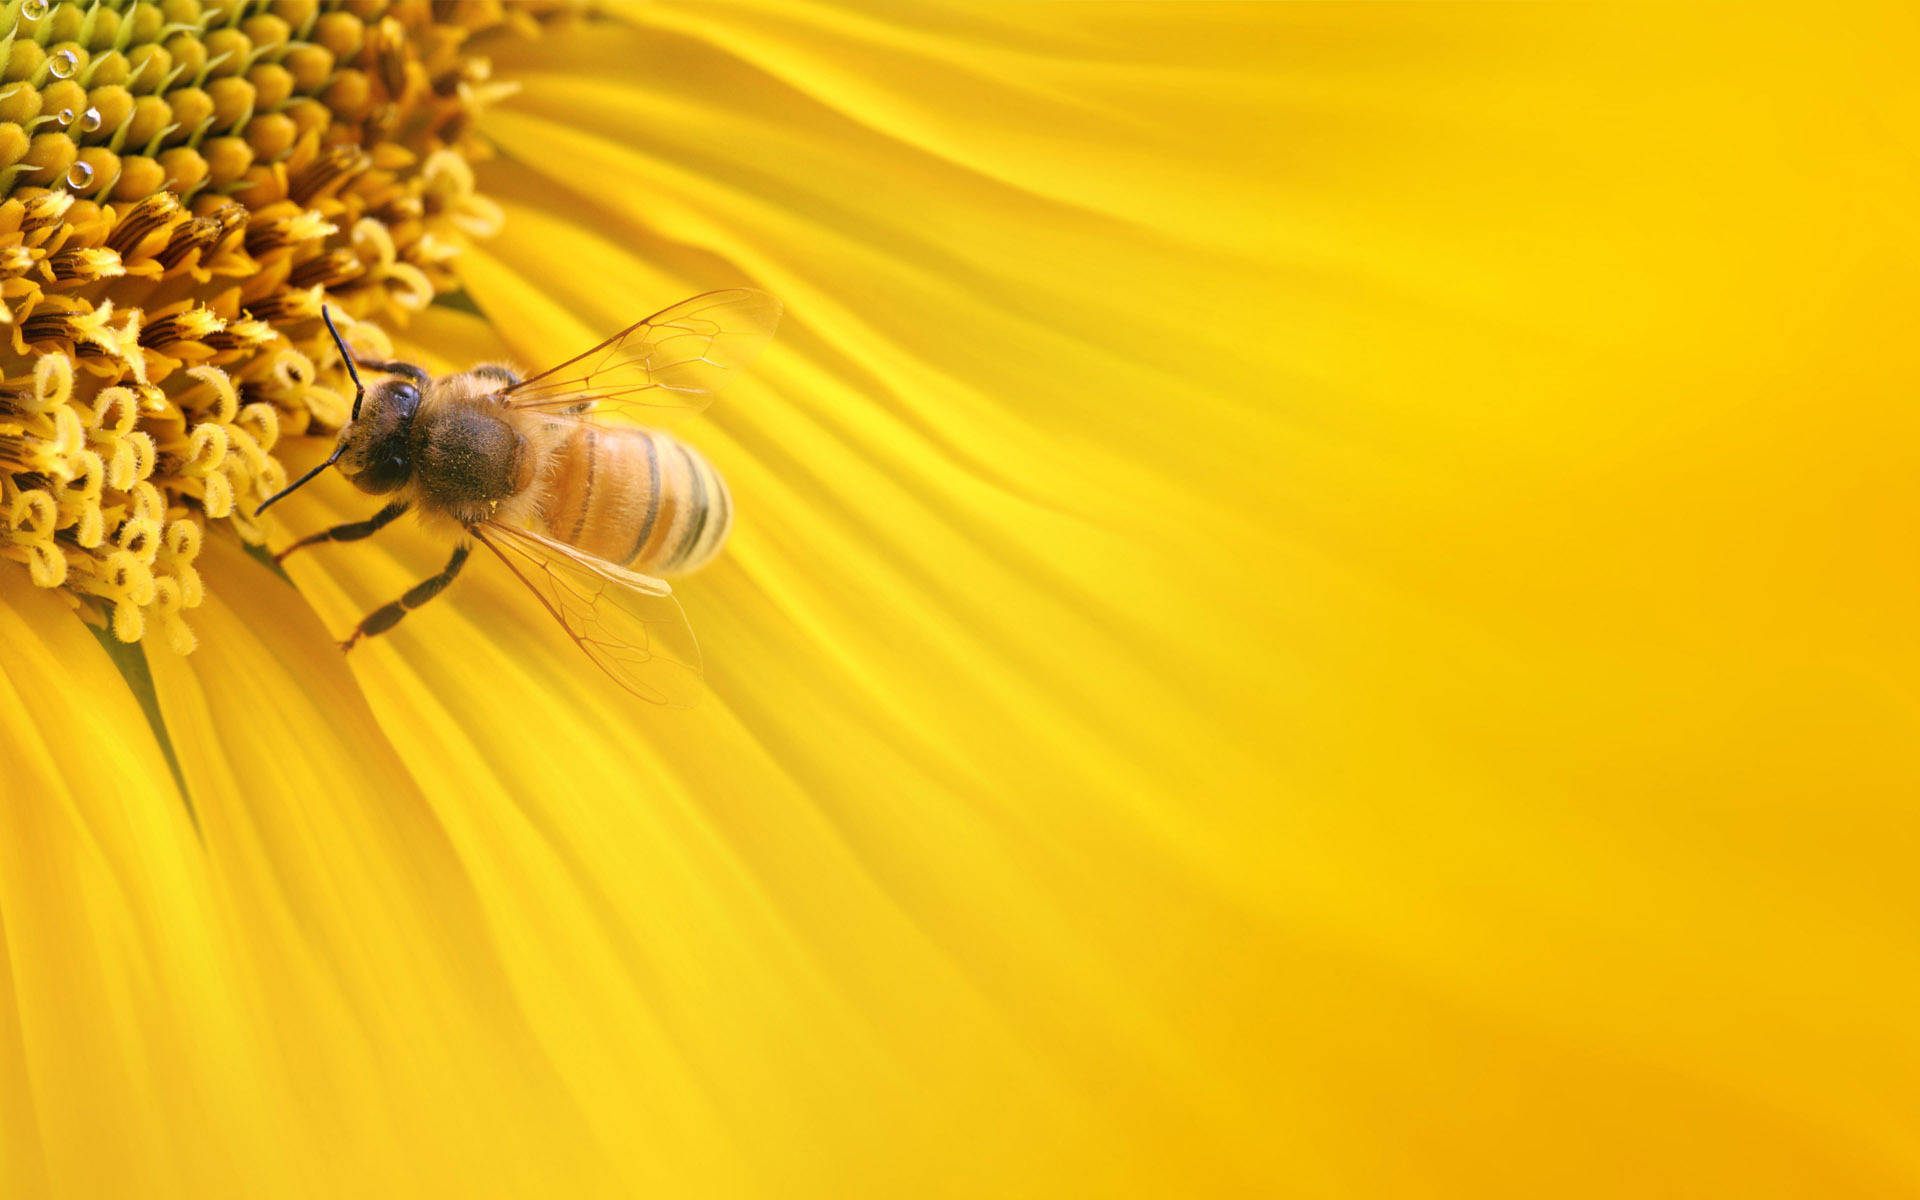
[629,624]
[673,359]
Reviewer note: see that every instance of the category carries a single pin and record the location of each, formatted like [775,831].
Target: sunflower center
[183,185]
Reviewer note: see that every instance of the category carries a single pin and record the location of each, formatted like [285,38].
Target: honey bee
[588,514]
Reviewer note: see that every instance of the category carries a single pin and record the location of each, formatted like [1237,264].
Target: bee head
[374,450]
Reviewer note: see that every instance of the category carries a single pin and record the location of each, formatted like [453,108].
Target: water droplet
[90,120]
[64,64]
[65,117]
[80,174]
[33,10]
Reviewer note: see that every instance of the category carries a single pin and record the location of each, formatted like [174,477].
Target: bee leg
[388,615]
[352,531]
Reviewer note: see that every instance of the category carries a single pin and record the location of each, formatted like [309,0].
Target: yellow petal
[119,1005]
[361,928]
[1120,109]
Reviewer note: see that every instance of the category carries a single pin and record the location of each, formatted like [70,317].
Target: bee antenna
[346,356]
[302,480]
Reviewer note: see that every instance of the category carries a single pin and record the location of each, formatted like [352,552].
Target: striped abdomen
[637,498]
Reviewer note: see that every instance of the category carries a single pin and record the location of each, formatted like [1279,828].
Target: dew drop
[80,174]
[65,117]
[33,10]
[63,64]
[90,120]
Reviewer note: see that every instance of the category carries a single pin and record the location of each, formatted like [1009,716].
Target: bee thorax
[469,459]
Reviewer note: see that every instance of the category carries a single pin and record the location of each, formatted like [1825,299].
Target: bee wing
[674,359]
[629,624]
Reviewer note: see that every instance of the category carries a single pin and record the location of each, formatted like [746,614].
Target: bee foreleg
[388,615]
[352,531]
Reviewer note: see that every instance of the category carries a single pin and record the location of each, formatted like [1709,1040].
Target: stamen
[187,328]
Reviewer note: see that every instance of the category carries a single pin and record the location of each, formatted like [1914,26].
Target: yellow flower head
[186,184]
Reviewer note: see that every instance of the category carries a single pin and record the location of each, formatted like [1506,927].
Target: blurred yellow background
[1591,632]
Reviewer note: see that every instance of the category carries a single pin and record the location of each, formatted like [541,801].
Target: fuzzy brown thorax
[467,457]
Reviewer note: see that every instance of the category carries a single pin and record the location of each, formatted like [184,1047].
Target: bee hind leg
[388,615]
[352,531]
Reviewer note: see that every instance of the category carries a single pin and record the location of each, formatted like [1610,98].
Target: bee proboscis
[588,513]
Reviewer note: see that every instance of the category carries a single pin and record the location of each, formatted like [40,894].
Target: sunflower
[1244,667]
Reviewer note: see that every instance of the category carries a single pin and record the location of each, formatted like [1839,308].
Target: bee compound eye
[385,468]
